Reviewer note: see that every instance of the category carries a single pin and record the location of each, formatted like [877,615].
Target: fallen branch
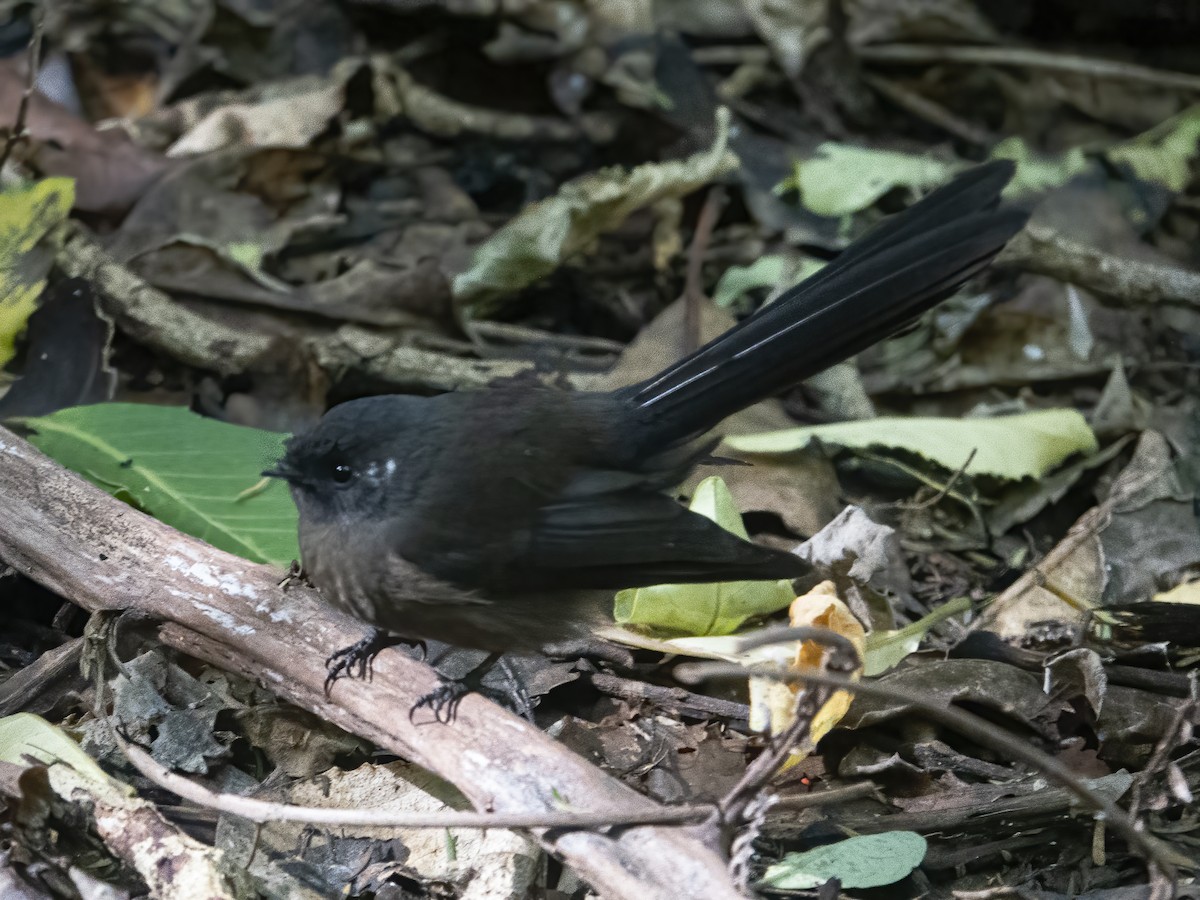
[172,864]
[153,318]
[1047,252]
[71,537]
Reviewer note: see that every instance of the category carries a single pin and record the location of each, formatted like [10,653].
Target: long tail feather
[873,289]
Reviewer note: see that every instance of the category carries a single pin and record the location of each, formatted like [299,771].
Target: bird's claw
[357,660]
[443,701]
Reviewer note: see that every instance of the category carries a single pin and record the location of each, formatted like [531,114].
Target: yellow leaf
[26,738]
[773,704]
[1183,593]
[27,216]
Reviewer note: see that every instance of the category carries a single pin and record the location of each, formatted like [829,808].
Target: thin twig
[673,699]
[693,290]
[264,811]
[926,109]
[1027,57]
[1158,856]
[828,797]
[17,133]
[1178,733]
[941,494]
[971,505]
[842,657]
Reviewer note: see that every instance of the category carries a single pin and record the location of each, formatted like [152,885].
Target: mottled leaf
[27,215]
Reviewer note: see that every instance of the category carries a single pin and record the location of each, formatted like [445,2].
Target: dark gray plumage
[504,518]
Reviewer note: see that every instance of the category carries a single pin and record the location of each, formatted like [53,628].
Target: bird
[503,518]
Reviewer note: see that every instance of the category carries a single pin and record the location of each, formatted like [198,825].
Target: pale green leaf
[1010,447]
[840,179]
[771,271]
[27,216]
[713,500]
[546,233]
[737,281]
[1037,172]
[887,649]
[704,609]
[196,474]
[866,861]
[1165,153]
[25,737]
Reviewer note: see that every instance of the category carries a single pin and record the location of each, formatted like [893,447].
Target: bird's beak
[284,471]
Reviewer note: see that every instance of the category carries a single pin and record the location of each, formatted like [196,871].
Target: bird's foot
[356,660]
[443,701]
[295,575]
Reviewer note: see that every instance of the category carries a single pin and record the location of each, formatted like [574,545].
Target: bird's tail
[879,284]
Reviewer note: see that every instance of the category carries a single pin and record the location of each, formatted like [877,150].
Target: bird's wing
[604,532]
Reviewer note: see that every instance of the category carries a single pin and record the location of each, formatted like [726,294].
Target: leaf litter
[275,211]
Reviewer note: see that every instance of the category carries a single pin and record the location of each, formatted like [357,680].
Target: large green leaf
[704,609]
[1010,447]
[866,861]
[197,474]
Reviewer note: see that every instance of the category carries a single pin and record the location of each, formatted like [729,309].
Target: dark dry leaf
[67,344]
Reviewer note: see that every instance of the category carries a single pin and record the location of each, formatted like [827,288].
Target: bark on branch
[71,537]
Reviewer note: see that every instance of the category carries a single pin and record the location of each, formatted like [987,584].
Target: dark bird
[504,518]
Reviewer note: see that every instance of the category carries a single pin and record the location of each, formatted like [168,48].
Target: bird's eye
[342,473]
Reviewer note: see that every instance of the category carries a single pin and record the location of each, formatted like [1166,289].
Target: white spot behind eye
[390,467]
[372,470]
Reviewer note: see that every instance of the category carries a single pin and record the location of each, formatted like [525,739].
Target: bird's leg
[361,655]
[443,700]
[295,575]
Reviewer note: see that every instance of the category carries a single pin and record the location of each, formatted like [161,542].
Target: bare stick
[693,291]
[263,811]
[1029,58]
[934,113]
[1047,252]
[100,553]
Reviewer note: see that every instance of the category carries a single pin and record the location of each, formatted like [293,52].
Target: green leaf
[870,860]
[1010,447]
[546,233]
[704,609]
[1037,172]
[193,473]
[736,281]
[770,271]
[24,736]
[841,179]
[27,216]
[1163,154]
[887,649]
